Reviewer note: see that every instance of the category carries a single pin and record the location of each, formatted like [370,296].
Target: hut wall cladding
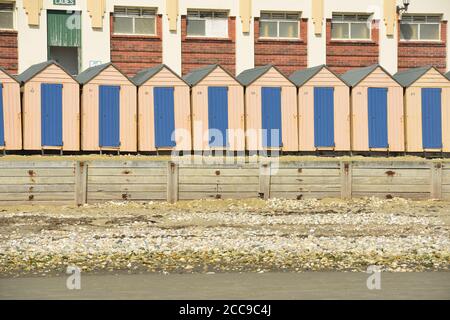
[395,115]
[90,111]
[341,111]
[31,108]
[12,113]
[289,114]
[199,97]
[413,107]
[68,182]
[182,112]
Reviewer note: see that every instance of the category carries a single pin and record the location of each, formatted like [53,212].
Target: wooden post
[264,180]
[346,180]
[172,182]
[81,174]
[436,180]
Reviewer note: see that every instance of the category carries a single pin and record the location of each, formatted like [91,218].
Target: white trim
[419,24]
[14,15]
[141,16]
[349,23]
[298,20]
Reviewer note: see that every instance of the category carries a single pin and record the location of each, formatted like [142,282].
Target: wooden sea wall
[80,182]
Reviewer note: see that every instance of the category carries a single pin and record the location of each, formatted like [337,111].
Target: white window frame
[271,19]
[126,15]
[13,4]
[427,16]
[349,22]
[214,12]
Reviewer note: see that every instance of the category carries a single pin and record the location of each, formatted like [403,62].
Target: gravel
[227,236]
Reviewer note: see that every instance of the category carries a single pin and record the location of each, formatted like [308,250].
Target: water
[313,285]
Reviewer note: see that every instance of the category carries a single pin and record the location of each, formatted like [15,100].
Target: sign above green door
[64,2]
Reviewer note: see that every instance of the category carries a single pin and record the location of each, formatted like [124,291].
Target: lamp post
[406,4]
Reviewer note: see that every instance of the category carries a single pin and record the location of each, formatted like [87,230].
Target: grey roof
[408,77]
[144,75]
[355,76]
[448,75]
[90,73]
[198,75]
[9,74]
[299,78]
[249,76]
[35,69]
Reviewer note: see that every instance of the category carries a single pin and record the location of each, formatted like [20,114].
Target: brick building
[237,34]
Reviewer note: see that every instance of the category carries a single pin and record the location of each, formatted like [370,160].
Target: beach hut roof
[249,76]
[90,73]
[9,75]
[35,69]
[197,75]
[301,77]
[144,75]
[448,75]
[408,77]
[355,76]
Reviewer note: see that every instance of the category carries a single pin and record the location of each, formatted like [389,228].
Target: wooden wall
[39,182]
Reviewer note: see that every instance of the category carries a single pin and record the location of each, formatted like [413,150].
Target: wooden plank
[48,196]
[38,188]
[81,174]
[213,172]
[391,164]
[388,172]
[132,172]
[126,196]
[172,182]
[306,172]
[127,188]
[39,172]
[265,180]
[390,181]
[212,195]
[127,164]
[305,180]
[44,164]
[390,195]
[37,180]
[305,195]
[346,180]
[127,180]
[219,188]
[305,188]
[436,181]
[217,180]
[391,188]
[308,164]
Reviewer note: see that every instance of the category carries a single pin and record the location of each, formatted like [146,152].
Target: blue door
[51,115]
[2,124]
[164,117]
[324,117]
[432,118]
[109,116]
[271,117]
[377,114]
[218,116]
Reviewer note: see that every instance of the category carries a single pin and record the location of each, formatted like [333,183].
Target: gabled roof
[448,75]
[355,76]
[90,73]
[408,77]
[299,78]
[144,75]
[249,76]
[35,69]
[197,75]
[9,75]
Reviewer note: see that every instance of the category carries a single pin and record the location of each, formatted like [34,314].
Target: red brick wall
[413,54]
[9,54]
[288,55]
[133,53]
[343,55]
[198,52]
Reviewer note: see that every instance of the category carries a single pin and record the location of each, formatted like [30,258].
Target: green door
[64,38]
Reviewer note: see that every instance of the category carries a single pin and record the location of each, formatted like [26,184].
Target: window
[137,21]
[212,24]
[351,27]
[420,28]
[7,16]
[282,25]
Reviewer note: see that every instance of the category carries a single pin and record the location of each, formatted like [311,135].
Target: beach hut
[427,109]
[377,110]
[108,109]
[323,110]
[271,109]
[164,110]
[10,113]
[217,104]
[51,108]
